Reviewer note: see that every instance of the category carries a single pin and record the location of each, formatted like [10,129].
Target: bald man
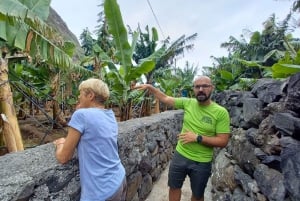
[205,125]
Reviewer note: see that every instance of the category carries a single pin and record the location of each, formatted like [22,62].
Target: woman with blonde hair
[93,130]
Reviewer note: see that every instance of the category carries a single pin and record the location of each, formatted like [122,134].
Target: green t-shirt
[204,120]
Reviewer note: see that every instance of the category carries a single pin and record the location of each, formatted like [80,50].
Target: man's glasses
[203,86]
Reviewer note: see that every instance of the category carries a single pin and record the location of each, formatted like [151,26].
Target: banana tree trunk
[156,107]
[56,111]
[11,131]
[146,106]
[125,112]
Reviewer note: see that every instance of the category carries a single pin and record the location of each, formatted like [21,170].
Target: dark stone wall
[145,147]
[261,162]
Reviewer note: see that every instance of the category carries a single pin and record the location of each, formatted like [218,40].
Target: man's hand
[187,137]
[141,87]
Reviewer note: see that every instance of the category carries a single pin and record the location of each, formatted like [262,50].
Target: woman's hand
[59,141]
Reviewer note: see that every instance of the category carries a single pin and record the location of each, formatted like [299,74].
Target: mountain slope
[55,21]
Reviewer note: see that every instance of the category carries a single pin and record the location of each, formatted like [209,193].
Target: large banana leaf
[124,52]
[226,75]
[121,69]
[284,70]
[38,7]
[135,36]
[13,8]
[145,66]
[14,35]
[117,29]
[22,26]
[139,70]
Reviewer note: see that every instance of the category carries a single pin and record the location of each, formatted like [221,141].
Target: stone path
[160,189]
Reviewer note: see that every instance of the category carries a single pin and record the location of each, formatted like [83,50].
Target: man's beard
[202,97]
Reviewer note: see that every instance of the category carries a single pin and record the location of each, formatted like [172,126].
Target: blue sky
[214,20]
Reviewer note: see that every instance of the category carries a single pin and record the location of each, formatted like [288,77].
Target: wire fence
[30,103]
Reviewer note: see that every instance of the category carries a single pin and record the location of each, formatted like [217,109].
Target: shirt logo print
[207,120]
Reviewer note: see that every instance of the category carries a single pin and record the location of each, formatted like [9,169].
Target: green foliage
[284,70]
[244,84]
[30,80]
[226,75]
[287,66]
[146,44]
[121,71]
[176,81]
[186,75]
[87,42]
[22,26]
[169,83]
[117,29]
[269,53]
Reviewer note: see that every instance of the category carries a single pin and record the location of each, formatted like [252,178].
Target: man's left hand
[187,137]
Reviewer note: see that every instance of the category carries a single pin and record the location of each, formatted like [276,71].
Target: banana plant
[287,66]
[121,70]
[23,30]
[169,83]
[22,26]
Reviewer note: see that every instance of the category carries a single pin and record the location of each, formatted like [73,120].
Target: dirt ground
[33,135]
[36,132]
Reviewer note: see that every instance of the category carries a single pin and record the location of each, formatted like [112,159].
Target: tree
[252,59]
[87,42]
[147,44]
[187,75]
[121,69]
[23,30]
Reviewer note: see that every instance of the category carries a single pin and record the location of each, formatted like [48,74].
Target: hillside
[55,21]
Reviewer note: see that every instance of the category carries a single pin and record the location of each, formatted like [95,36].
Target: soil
[37,131]
[34,135]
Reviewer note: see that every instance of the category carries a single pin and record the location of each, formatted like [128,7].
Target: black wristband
[199,139]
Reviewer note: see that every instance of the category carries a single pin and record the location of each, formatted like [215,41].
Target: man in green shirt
[205,125]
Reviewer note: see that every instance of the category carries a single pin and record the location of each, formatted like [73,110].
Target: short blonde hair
[98,87]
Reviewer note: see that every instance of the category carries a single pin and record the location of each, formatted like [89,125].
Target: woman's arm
[65,147]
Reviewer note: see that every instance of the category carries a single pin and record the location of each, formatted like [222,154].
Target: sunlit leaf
[226,75]
[284,70]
